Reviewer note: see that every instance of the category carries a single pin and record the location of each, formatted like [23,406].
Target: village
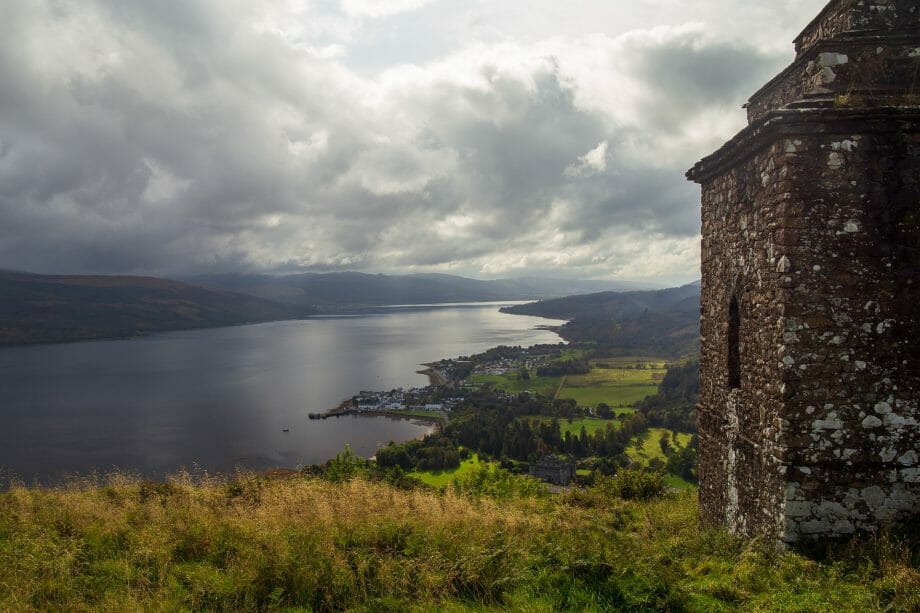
[430,398]
[450,382]
[506,365]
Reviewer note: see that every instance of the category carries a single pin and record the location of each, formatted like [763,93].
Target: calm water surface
[218,399]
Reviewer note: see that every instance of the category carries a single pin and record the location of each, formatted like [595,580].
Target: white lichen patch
[882,408]
[826,60]
[844,145]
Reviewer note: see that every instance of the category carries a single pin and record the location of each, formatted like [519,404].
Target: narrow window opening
[734,344]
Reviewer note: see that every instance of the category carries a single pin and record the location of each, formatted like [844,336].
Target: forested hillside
[661,322]
[611,305]
[354,289]
[40,308]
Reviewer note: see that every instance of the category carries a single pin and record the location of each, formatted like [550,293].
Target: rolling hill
[331,291]
[610,305]
[41,308]
[661,322]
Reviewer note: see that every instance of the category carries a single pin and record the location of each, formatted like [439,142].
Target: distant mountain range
[56,308]
[663,323]
[41,308]
[335,291]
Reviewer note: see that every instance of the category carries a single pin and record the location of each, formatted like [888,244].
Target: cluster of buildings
[503,366]
[415,399]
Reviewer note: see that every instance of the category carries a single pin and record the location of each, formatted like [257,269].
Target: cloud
[204,136]
[593,162]
[382,8]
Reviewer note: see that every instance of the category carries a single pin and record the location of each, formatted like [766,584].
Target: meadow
[617,382]
[512,382]
[646,446]
[433,416]
[306,544]
[441,478]
[590,424]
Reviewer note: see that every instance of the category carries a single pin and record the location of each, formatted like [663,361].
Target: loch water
[220,399]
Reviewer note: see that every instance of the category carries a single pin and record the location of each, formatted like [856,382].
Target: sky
[485,138]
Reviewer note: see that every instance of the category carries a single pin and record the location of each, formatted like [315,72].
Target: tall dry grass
[310,545]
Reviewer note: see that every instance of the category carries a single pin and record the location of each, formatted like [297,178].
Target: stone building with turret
[810,367]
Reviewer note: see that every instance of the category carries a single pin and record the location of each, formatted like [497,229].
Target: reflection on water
[221,398]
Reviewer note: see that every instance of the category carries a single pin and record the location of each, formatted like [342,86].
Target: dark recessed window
[734,344]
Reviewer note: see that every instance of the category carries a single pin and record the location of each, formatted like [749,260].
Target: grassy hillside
[307,544]
[40,308]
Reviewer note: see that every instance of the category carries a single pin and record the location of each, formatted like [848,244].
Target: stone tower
[810,372]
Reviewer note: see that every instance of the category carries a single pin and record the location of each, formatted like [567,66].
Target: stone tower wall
[810,372]
[851,350]
[811,221]
[740,436]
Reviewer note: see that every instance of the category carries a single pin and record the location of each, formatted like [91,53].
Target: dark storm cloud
[164,138]
[689,74]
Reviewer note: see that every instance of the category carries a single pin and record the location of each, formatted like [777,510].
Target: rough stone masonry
[810,368]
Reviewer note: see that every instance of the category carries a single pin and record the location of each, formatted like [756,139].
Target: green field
[676,482]
[650,447]
[571,354]
[511,382]
[441,478]
[630,361]
[590,424]
[619,382]
[615,396]
[426,415]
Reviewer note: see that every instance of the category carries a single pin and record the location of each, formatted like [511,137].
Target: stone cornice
[832,6]
[805,120]
[840,43]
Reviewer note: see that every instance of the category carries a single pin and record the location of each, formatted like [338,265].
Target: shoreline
[435,376]
[347,408]
[342,411]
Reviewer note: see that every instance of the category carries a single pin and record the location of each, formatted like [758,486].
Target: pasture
[441,478]
[646,447]
[618,382]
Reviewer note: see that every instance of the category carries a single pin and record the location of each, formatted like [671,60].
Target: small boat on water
[285,429]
